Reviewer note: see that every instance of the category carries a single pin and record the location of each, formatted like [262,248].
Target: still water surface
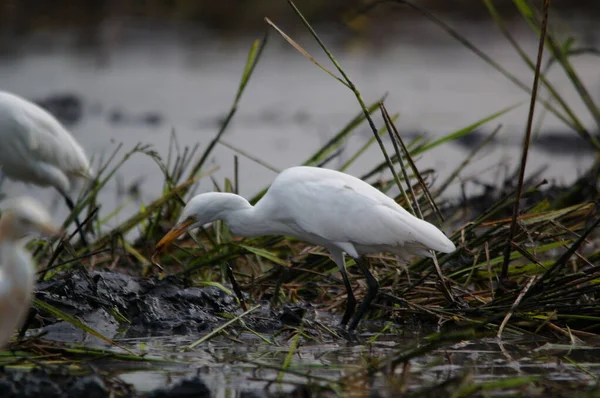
[290,108]
[228,368]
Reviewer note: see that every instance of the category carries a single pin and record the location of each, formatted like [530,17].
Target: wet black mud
[113,302]
[121,306]
[58,383]
[50,384]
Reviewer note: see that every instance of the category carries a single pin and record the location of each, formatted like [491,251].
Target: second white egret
[20,217]
[35,148]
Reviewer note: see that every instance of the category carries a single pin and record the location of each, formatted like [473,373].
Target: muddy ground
[120,305]
[152,307]
[59,384]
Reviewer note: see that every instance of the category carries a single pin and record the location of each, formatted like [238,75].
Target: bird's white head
[24,216]
[203,209]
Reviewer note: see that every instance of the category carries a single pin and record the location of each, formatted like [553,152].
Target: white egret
[17,271]
[35,148]
[324,207]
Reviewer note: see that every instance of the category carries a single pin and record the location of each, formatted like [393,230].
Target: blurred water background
[130,72]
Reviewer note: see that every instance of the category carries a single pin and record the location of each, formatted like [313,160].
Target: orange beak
[50,230]
[175,232]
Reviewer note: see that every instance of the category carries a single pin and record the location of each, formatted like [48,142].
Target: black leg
[71,206]
[30,316]
[351,301]
[373,286]
[236,287]
[282,273]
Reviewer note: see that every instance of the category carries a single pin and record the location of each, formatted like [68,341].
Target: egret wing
[335,207]
[34,133]
[335,211]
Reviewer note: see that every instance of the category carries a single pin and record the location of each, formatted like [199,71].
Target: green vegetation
[526,267]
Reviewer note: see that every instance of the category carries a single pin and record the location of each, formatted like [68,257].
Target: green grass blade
[580,128]
[303,51]
[462,132]
[75,322]
[254,55]
[265,254]
[221,328]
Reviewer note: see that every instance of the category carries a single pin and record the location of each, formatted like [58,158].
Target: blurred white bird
[35,148]
[324,207]
[20,217]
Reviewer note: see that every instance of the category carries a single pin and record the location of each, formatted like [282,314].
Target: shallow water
[229,368]
[165,317]
[187,79]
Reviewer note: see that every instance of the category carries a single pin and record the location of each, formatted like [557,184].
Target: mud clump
[41,383]
[107,301]
[56,383]
[192,388]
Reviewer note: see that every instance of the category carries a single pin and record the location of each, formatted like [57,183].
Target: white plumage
[325,207]
[20,217]
[35,148]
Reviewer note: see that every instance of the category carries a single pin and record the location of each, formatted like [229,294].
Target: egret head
[203,209]
[24,216]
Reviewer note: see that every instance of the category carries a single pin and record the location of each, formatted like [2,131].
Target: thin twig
[253,58]
[388,125]
[513,225]
[338,67]
[236,175]
[575,124]
[467,160]
[221,328]
[415,170]
[514,306]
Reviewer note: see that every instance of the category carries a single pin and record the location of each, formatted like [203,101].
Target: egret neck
[241,217]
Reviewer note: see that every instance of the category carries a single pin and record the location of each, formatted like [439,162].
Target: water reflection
[228,368]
